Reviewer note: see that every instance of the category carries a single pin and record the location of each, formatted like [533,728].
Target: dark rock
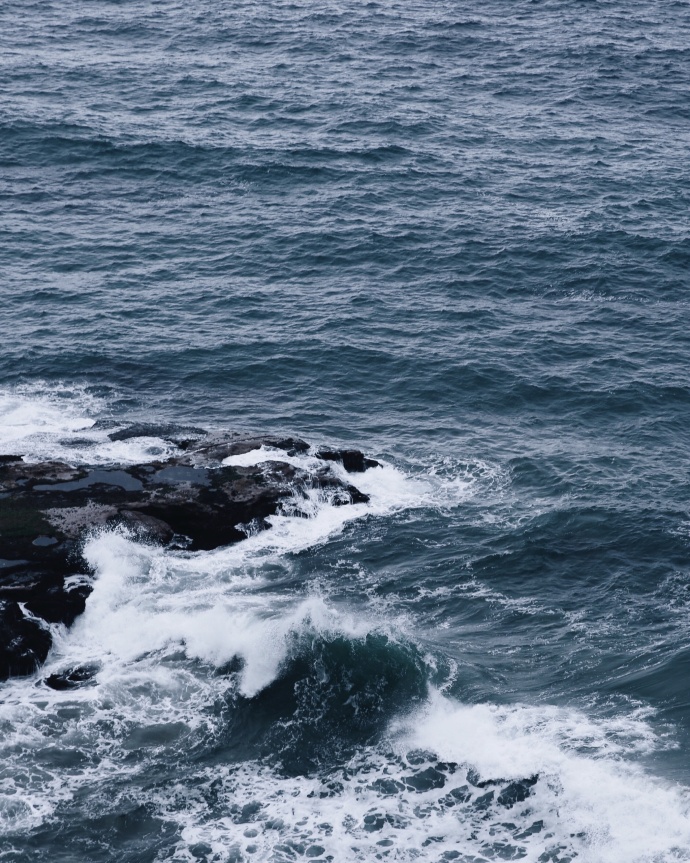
[219,447]
[352,460]
[148,525]
[58,604]
[166,431]
[24,643]
[72,679]
[191,500]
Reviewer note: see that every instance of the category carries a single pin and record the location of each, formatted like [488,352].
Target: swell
[49,143]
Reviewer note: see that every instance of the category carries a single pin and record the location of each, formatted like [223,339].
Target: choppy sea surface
[455,235]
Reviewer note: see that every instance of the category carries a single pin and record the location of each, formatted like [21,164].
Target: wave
[55,421]
[452,782]
[298,727]
[220,709]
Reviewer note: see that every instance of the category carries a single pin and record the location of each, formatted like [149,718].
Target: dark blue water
[456,236]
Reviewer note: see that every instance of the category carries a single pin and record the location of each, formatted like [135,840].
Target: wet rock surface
[191,500]
[75,678]
[352,460]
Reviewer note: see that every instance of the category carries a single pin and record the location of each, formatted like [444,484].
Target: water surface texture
[453,234]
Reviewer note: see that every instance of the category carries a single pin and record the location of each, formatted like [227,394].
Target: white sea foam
[389,488]
[268,453]
[42,422]
[595,806]
[29,417]
[145,601]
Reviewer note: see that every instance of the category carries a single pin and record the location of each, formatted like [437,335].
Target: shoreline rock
[190,501]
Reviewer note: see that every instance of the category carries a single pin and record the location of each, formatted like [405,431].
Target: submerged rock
[75,678]
[192,499]
[352,460]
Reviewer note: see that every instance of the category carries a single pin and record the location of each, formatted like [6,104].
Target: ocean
[454,235]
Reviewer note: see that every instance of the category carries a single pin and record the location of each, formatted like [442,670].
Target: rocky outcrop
[190,501]
[352,460]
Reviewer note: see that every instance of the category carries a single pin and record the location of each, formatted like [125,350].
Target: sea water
[454,235]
